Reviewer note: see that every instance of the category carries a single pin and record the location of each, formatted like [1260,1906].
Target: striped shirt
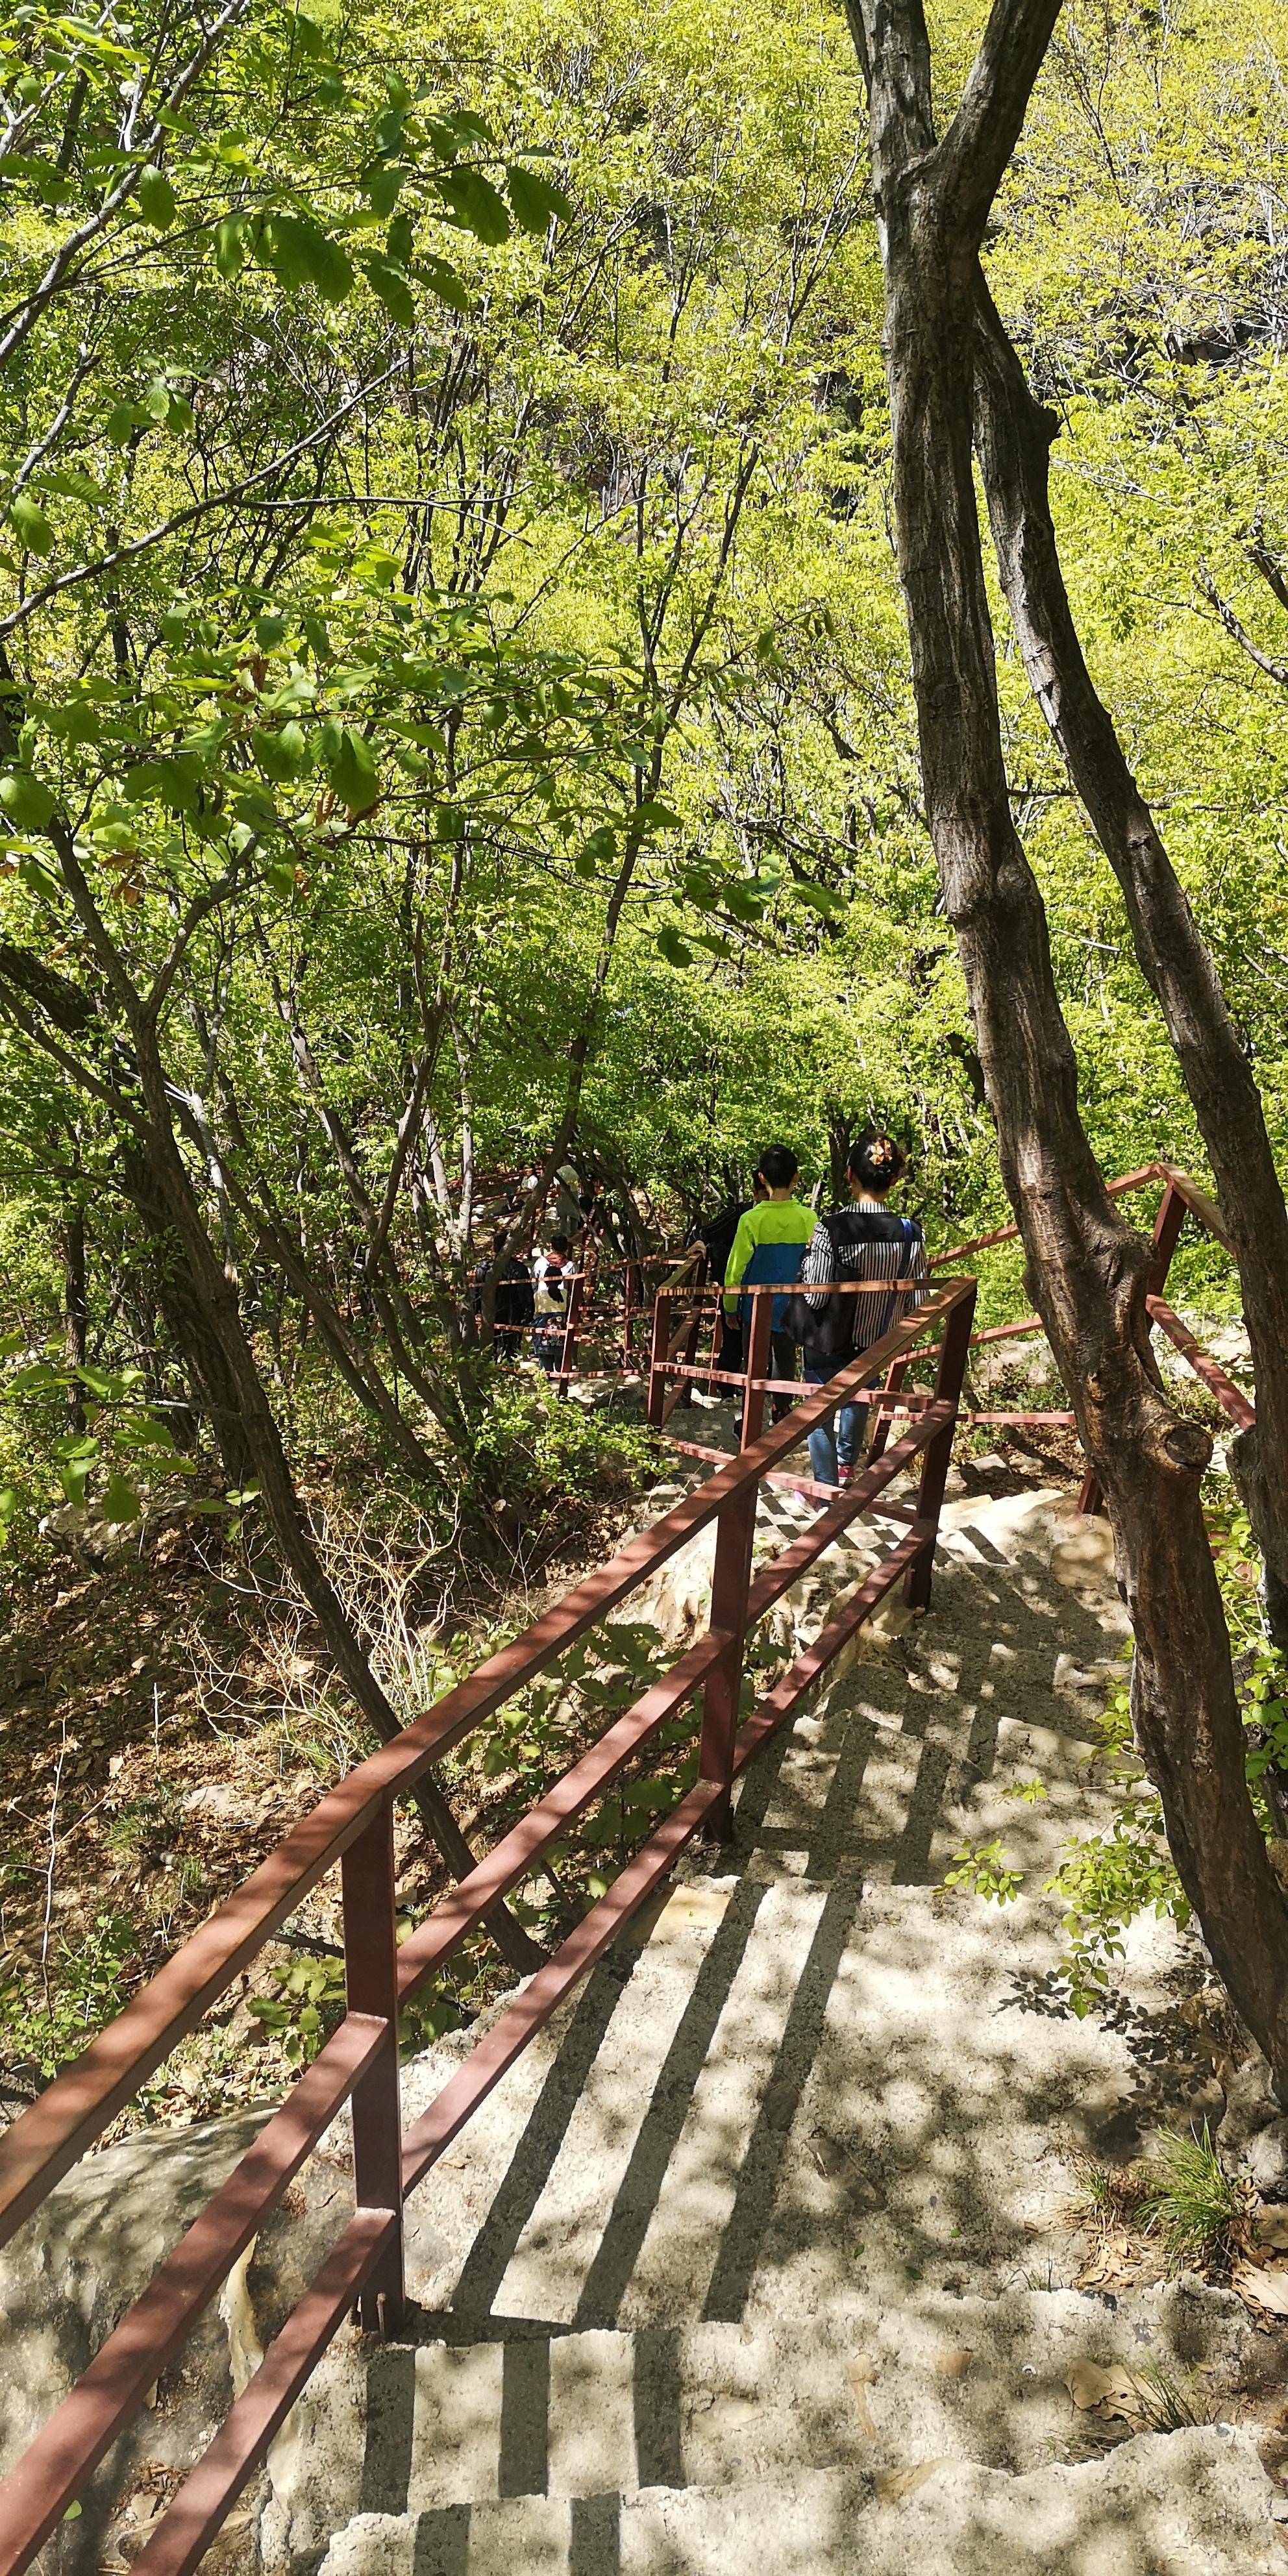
[843,1248]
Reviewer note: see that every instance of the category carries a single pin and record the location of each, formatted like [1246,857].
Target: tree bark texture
[1085,1270]
[1013,434]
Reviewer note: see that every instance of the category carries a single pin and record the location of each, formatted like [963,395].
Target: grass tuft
[1189,2202]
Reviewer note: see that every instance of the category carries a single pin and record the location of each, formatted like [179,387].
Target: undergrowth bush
[1105,1880]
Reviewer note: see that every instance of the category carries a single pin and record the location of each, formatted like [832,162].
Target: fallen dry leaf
[1106,2392]
[1270,2228]
[894,2485]
[861,2373]
[953,2365]
[1262,2289]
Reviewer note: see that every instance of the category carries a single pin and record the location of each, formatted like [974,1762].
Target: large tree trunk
[1013,435]
[1085,1270]
[213,1388]
[277,1488]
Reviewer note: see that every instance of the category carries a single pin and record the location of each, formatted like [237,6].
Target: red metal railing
[675,1367]
[353,1826]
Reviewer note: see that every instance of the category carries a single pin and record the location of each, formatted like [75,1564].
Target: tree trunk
[184,1315]
[75,1311]
[1085,1270]
[1013,435]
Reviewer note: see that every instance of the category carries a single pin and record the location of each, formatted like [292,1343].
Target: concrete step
[876,2391]
[1194,2503]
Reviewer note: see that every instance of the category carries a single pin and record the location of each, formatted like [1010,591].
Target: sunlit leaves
[30,524]
[536,200]
[475,203]
[157,202]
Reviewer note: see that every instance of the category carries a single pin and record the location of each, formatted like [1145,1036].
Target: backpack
[829,1329]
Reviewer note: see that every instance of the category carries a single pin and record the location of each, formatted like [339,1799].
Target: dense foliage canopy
[457,686]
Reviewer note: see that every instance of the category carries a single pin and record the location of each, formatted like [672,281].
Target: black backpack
[829,1330]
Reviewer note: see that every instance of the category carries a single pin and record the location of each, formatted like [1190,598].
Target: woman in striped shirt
[862,1241]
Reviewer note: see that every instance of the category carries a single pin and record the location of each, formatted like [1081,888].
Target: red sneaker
[845,1475]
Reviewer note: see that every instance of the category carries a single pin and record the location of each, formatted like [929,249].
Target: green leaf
[155,404]
[398,241]
[120,1502]
[30,525]
[281,755]
[673,948]
[230,244]
[535,199]
[445,282]
[76,486]
[73,1476]
[393,290]
[156,199]
[475,203]
[121,421]
[383,184]
[353,773]
[299,253]
[10,1505]
[26,800]
[270,631]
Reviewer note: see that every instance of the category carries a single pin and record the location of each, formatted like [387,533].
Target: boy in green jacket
[770,1245]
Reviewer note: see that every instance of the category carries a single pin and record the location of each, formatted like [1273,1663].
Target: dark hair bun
[876,1159]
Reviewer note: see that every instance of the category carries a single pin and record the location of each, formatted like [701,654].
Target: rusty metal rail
[353,1825]
[675,1367]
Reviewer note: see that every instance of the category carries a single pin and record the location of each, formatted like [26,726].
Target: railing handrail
[353,1822]
[49,2136]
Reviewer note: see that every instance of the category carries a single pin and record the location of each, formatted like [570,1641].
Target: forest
[458,720]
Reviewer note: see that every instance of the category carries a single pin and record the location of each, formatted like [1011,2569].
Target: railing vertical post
[1167,1234]
[695,1328]
[937,1457]
[894,1378]
[730,1583]
[657,1384]
[753,1396]
[572,1323]
[371,1986]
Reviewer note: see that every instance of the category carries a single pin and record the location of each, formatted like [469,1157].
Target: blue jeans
[836,1443]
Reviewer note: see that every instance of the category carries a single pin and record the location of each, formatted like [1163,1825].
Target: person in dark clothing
[512,1305]
[862,1241]
[718,1236]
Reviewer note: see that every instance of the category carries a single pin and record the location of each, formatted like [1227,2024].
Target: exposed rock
[1253,2136]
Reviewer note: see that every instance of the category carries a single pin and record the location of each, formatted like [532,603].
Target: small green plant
[1193,2204]
[304,2006]
[985,1869]
[86,1983]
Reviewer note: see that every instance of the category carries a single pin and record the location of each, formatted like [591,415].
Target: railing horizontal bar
[1030,1419]
[1230,1397]
[778,1704]
[1199,1204]
[1010,1233]
[463,1908]
[1008,1332]
[49,2136]
[185,2532]
[51,2473]
[872,1396]
[483,2069]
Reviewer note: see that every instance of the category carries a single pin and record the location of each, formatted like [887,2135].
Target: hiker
[862,1241]
[512,1308]
[551,1272]
[768,1245]
[717,1237]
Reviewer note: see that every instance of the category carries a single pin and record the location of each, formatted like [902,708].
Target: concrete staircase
[760,2258]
